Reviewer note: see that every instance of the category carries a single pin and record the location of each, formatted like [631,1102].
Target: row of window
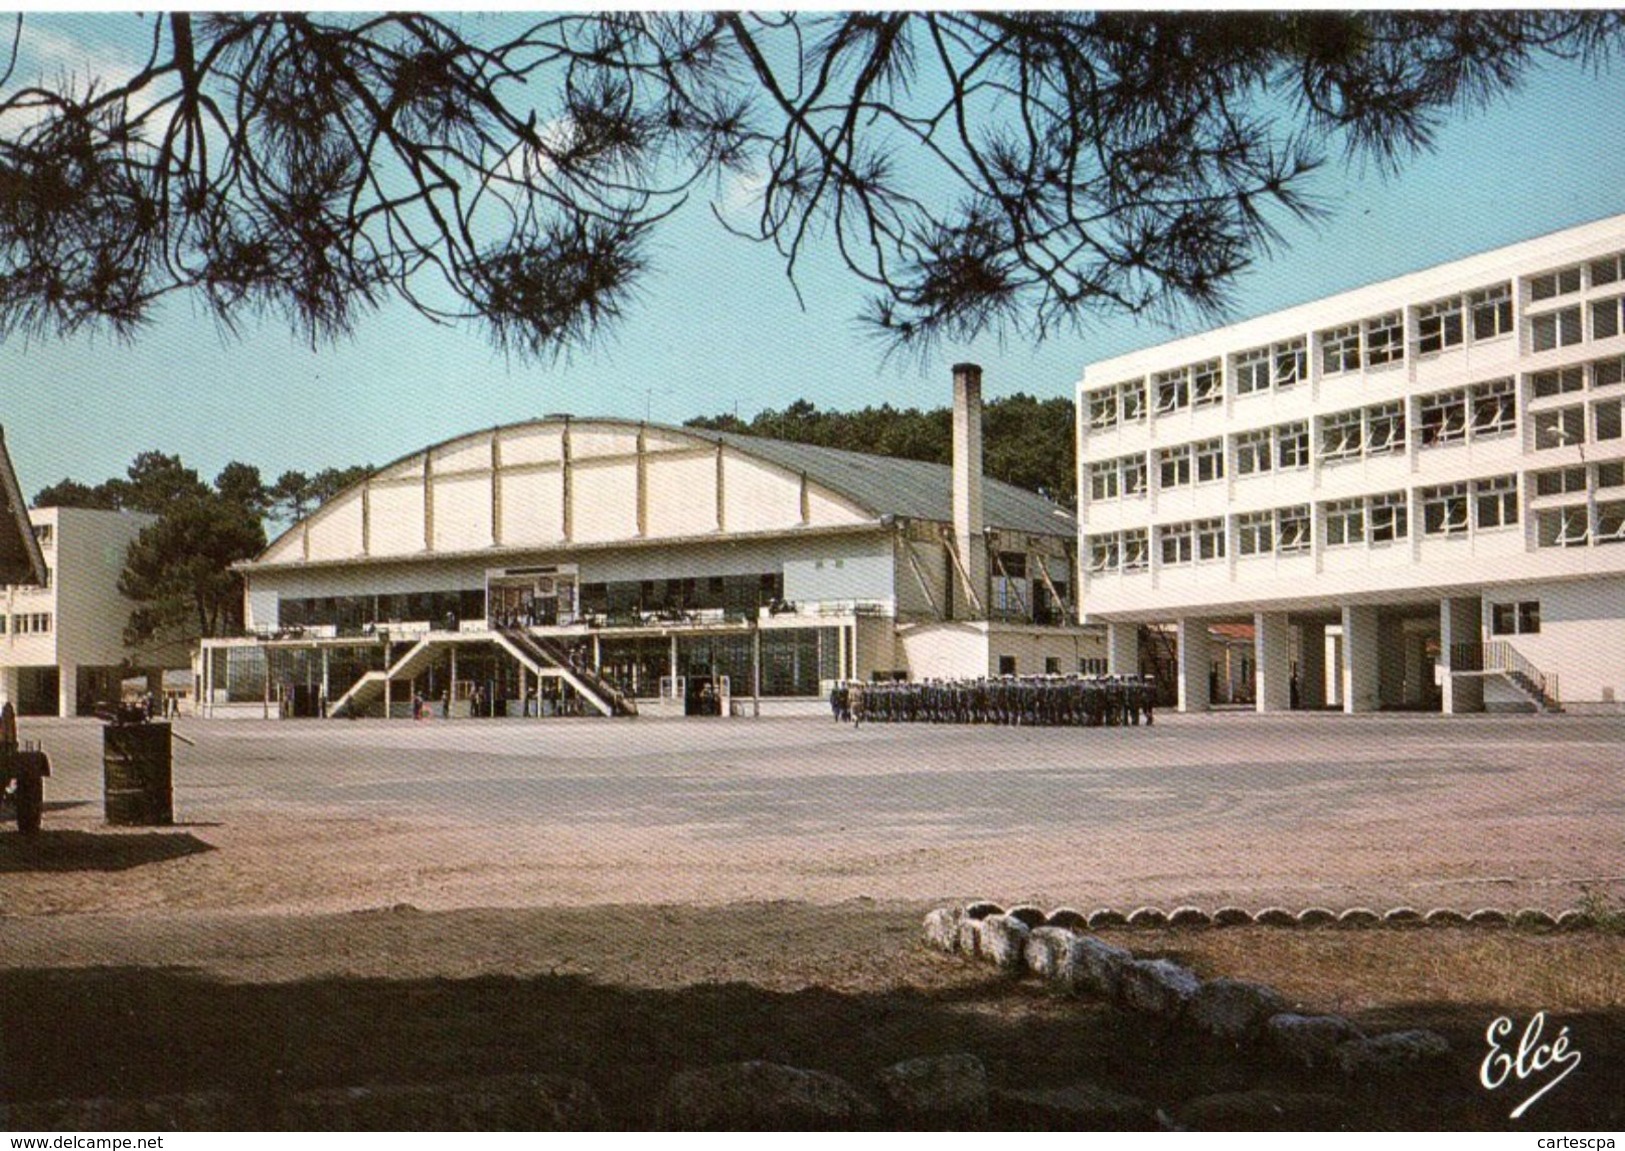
[1565,281]
[1561,427]
[1446,510]
[1459,415]
[1604,373]
[26,623]
[1567,481]
[1565,327]
[1581,525]
[1375,342]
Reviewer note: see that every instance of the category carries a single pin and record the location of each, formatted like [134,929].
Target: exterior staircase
[1499,658]
[542,655]
[539,655]
[371,686]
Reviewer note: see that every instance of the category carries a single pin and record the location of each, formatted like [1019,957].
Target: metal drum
[138,780]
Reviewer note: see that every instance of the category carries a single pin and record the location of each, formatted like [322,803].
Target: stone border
[1245,1014]
[1356,918]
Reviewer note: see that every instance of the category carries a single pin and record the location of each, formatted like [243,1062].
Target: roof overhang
[21,561]
[560,551]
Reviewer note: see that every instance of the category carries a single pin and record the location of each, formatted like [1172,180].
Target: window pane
[1492,311]
[1207,384]
[1607,415]
[1292,445]
[1253,371]
[1385,339]
[1131,401]
[1173,390]
[1438,326]
[1340,349]
[1555,383]
[1605,319]
[1568,327]
[1291,363]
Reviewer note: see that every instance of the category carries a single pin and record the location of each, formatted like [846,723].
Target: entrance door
[700,696]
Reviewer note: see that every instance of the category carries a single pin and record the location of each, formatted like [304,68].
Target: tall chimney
[968,479]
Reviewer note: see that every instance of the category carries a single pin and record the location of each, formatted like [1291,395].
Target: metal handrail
[1500,656]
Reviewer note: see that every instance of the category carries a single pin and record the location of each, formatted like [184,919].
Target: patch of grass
[1358,971]
[1606,914]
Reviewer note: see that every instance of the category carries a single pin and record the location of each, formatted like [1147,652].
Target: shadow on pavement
[93,851]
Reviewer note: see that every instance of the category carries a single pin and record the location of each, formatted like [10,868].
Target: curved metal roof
[882,485]
[912,488]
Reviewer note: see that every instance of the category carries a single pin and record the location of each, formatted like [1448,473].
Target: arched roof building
[641,562]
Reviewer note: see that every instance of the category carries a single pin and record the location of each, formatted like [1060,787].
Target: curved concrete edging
[1527,918]
[1069,958]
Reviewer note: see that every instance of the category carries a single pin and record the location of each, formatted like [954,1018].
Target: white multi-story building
[1410,490]
[62,644]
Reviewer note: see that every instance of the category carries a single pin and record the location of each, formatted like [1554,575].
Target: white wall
[522,472]
[1581,638]
[90,612]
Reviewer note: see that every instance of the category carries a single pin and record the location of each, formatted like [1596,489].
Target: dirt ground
[352,904]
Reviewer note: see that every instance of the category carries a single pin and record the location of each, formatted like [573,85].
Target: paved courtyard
[1228,808]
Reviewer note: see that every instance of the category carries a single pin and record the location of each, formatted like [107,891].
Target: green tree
[290,497]
[296,495]
[329,482]
[1025,441]
[1001,171]
[178,570]
[239,484]
[67,493]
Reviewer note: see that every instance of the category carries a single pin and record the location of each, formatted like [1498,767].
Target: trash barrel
[138,780]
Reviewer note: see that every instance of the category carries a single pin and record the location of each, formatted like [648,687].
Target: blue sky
[718,328]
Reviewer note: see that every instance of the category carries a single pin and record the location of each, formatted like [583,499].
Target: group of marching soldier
[1038,701]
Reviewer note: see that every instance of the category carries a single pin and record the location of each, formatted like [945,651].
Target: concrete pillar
[1460,621]
[756,670]
[1123,648]
[326,680]
[1272,661]
[1195,665]
[67,690]
[9,687]
[1333,654]
[1362,660]
[1312,665]
[1392,682]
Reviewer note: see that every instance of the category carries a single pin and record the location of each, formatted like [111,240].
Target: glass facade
[351,613]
